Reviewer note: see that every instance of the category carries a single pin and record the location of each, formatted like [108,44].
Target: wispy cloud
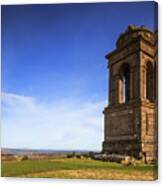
[65,124]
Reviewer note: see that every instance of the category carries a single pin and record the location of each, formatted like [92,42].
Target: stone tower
[131,115]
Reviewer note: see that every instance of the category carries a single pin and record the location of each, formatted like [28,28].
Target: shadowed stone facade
[131,115]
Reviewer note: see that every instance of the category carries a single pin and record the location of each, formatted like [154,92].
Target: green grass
[16,169]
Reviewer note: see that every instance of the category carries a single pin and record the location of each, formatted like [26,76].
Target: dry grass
[95,174]
[77,169]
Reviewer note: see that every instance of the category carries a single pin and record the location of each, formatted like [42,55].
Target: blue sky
[54,71]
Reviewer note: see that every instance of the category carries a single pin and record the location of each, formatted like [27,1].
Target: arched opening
[124,84]
[124,89]
[150,82]
[155,81]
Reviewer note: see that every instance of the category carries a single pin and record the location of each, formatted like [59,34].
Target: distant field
[77,169]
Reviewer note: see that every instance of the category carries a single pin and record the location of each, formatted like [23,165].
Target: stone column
[120,90]
[117,88]
[111,88]
[131,83]
[143,82]
[136,83]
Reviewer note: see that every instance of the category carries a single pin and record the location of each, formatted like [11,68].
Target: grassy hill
[76,169]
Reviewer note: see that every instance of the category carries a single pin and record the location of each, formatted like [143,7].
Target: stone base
[130,148]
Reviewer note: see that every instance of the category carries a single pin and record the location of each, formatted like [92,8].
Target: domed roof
[132,33]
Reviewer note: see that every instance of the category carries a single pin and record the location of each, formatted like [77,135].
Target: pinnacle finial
[131,27]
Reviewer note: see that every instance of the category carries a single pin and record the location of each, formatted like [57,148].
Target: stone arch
[124,83]
[150,77]
[155,81]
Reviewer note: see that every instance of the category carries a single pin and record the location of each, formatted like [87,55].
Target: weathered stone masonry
[131,116]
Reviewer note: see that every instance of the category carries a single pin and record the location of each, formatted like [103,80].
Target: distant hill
[40,151]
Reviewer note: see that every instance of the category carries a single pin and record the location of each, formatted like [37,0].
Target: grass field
[77,169]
